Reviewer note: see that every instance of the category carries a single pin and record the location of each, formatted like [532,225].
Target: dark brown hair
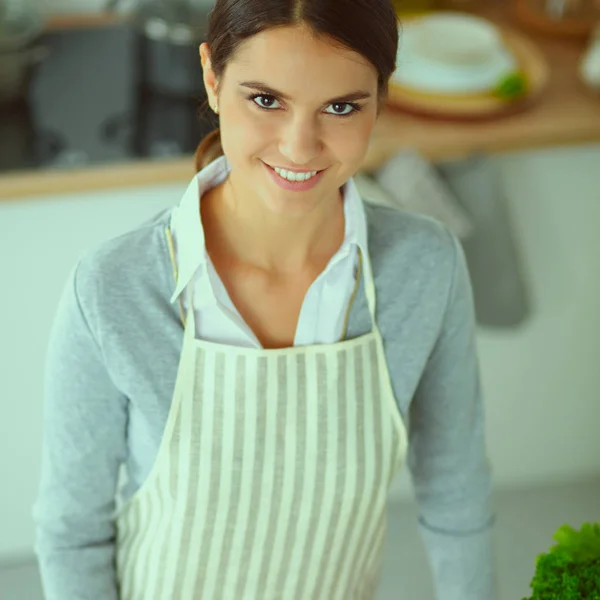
[368,27]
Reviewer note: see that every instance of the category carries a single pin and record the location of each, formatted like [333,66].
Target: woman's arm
[447,455]
[85,419]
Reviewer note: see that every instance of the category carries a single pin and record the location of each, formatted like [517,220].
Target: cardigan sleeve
[84,443]
[447,458]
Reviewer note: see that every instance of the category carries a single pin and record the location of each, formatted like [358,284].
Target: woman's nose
[300,141]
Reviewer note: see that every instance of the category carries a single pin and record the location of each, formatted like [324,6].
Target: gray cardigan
[111,367]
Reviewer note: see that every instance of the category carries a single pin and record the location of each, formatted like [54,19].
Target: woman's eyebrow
[259,85]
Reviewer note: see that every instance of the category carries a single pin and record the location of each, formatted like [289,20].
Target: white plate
[451,53]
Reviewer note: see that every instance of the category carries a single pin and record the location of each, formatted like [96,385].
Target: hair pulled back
[368,27]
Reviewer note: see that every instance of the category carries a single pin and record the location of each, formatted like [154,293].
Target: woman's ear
[209,77]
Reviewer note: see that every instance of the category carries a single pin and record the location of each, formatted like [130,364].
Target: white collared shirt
[322,314]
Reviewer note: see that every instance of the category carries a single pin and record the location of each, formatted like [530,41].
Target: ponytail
[208,150]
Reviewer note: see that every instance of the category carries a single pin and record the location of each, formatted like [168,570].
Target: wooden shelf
[567,114]
[82,20]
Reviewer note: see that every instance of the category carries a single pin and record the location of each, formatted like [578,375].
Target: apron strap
[369,280]
[175,273]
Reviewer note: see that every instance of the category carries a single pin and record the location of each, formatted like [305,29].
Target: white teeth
[290,176]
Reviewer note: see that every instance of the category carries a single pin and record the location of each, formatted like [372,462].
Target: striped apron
[272,475]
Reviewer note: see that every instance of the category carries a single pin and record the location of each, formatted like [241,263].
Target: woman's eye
[264,101]
[339,108]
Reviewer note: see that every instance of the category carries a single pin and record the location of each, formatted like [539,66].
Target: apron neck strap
[369,281]
[189,318]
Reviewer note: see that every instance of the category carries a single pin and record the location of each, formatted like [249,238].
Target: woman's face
[290,100]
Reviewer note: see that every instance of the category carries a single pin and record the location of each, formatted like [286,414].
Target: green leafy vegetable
[511,87]
[571,569]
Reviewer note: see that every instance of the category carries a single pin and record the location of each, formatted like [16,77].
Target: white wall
[542,382]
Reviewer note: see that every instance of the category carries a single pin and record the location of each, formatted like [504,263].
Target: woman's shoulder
[124,264]
[399,239]
[417,263]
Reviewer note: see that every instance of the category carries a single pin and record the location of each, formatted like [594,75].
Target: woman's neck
[245,231]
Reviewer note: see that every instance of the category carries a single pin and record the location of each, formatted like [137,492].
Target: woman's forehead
[291,57]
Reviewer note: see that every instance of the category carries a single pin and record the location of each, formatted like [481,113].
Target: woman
[264,357]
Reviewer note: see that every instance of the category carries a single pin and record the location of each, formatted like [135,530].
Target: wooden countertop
[567,114]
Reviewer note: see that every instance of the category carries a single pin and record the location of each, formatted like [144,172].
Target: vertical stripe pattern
[271,480]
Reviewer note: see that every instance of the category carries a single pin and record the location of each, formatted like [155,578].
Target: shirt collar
[186,222]
[355,218]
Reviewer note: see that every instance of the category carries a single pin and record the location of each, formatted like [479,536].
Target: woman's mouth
[294,181]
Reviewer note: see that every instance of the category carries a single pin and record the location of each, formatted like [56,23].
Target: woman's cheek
[254,125]
[240,130]
[352,142]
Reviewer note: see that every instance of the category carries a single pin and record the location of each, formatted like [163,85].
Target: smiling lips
[294,174]
[294,180]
